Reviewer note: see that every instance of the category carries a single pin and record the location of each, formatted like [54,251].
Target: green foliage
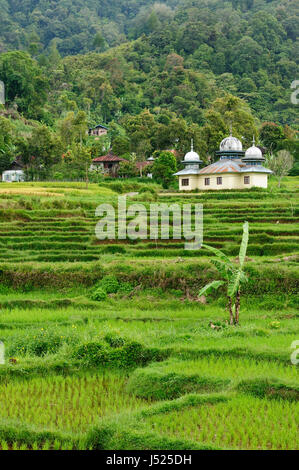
[99,294]
[26,85]
[6,143]
[233,276]
[120,353]
[272,389]
[177,56]
[109,284]
[127,169]
[164,167]
[38,343]
[153,385]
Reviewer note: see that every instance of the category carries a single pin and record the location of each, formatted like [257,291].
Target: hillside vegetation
[175,53]
[157,74]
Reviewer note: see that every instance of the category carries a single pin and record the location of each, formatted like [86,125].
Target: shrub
[120,353]
[159,386]
[114,340]
[109,284]
[270,388]
[99,295]
[37,343]
[92,353]
[125,288]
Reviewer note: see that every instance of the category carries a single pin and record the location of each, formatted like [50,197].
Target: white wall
[229,181]
[193,182]
[11,176]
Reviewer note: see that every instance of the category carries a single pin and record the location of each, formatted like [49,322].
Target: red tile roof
[110,157]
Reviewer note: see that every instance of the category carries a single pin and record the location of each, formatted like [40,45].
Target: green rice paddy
[148,366]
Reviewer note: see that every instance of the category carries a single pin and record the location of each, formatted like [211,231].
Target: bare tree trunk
[230,308]
[238,299]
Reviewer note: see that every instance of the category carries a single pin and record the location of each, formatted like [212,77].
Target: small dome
[192,157]
[231,143]
[254,153]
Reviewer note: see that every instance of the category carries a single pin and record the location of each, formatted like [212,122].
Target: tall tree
[25,83]
[281,164]
[164,167]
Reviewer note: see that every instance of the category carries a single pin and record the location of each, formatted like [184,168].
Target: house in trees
[235,169]
[143,167]
[14,173]
[107,164]
[98,131]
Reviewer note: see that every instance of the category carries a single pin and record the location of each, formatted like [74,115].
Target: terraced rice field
[142,368]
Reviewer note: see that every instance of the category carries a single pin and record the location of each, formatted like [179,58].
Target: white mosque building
[235,169]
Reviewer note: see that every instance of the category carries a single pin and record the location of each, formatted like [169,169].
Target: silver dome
[231,143]
[192,156]
[254,152]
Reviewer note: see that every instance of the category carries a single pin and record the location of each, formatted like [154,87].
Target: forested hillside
[246,47]
[156,73]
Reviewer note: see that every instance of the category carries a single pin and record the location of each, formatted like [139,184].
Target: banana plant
[233,276]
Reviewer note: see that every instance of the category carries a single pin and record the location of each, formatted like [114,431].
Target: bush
[92,353]
[269,388]
[120,353]
[156,385]
[37,343]
[114,340]
[99,294]
[125,288]
[109,284]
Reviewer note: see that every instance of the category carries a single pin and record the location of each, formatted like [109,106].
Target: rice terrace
[109,345]
[149,229]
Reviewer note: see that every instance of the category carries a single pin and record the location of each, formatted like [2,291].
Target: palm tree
[233,276]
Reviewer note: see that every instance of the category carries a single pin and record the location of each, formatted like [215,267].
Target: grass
[152,373]
[243,423]
[66,403]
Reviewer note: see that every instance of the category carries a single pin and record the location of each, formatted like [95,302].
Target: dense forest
[156,73]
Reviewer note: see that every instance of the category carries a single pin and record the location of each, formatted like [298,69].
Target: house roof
[224,166]
[15,164]
[188,171]
[97,126]
[110,157]
[255,169]
[142,164]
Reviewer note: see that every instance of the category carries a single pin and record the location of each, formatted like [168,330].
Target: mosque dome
[253,154]
[231,143]
[192,156]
